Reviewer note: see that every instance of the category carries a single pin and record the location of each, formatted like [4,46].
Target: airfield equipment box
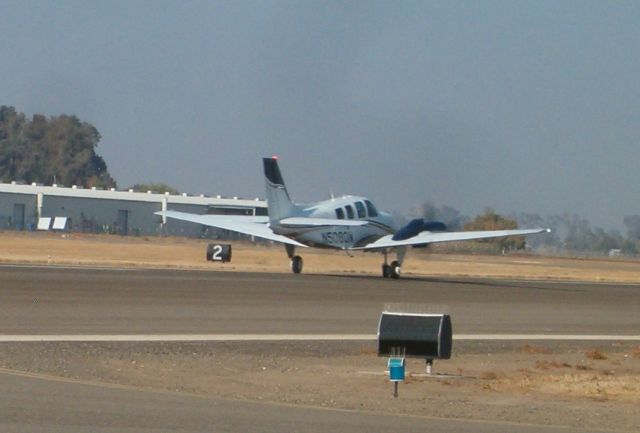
[427,336]
[396,369]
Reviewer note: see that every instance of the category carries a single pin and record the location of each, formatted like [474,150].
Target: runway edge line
[293,337]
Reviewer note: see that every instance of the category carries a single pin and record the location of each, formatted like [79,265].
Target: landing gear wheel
[296,264]
[395,270]
[386,270]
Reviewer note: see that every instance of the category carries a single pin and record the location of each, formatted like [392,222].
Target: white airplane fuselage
[351,208]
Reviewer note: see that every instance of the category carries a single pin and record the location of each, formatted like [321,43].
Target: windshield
[373,212]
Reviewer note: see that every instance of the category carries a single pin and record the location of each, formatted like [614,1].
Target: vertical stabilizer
[278,200]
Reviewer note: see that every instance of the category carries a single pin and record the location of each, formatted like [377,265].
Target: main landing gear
[391,271]
[395,268]
[296,261]
[296,264]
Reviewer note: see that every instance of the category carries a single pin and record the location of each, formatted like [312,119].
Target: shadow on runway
[496,283]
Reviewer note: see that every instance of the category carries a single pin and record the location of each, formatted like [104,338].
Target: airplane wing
[248,225]
[433,237]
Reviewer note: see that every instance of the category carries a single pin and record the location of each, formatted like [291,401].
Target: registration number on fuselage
[344,237]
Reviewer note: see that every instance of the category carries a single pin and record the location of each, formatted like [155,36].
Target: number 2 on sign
[217,250]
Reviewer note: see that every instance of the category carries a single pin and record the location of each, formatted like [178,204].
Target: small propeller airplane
[348,223]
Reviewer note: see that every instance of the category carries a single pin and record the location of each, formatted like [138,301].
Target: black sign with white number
[219,253]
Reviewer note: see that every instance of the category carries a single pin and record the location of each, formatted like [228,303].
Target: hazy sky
[521,106]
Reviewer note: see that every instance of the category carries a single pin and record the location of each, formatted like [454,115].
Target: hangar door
[18,216]
[123,222]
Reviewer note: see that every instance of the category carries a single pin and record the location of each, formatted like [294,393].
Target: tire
[296,264]
[386,271]
[395,270]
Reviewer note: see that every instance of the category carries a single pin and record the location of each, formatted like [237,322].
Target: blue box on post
[396,369]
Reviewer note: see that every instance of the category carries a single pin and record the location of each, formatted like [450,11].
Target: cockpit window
[340,213]
[371,209]
[360,209]
[350,213]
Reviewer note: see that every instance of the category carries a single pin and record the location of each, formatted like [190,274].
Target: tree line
[569,232]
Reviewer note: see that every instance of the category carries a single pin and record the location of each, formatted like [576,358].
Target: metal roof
[112,194]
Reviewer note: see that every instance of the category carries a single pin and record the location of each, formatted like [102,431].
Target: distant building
[32,207]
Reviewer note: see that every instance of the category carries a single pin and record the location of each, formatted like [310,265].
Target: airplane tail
[278,200]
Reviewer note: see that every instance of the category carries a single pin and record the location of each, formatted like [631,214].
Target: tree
[450,216]
[159,188]
[579,236]
[630,248]
[606,241]
[11,142]
[632,222]
[41,150]
[490,220]
[531,220]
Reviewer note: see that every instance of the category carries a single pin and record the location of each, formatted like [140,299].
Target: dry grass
[557,378]
[370,351]
[538,350]
[601,387]
[186,253]
[595,354]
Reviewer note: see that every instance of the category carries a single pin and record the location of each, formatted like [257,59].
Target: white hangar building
[33,207]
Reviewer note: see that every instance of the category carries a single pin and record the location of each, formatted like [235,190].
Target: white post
[39,201]
[164,209]
[429,365]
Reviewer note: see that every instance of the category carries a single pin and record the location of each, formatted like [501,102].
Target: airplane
[348,223]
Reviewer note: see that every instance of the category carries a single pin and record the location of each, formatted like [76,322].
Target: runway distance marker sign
[219,253]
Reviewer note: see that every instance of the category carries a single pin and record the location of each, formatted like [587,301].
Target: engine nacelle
[417,226]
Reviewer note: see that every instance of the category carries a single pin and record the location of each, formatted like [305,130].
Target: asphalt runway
[49,300]
[53,301]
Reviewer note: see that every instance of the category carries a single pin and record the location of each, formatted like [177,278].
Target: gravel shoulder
[595,385]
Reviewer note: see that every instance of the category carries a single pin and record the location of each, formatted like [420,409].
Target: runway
[48,304]
[52,301]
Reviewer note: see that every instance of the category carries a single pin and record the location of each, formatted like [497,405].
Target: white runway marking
[295,337]
[187,337]
[515,337]
[97,267]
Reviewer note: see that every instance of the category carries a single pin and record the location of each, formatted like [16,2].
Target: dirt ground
[575,384]
[578,385]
